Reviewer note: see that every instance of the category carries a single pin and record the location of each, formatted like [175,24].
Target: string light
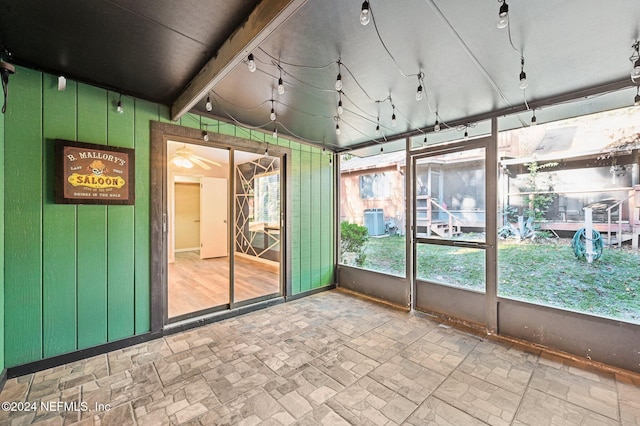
[534,120]
[273,112]
[436,127]
[523,76]
[338,128]
[419,91]
[339,79]
[208,105]
[466,135]
[205,133]
[394,121]
[503,15]
[266,150]
[381,150]
[378,127]
[424,142]
[119,106]
[365,15]
[636,100]
[251,63]
[635,60]
[275,133]
[340,109]
[280,83]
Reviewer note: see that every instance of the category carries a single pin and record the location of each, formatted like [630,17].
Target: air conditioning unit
[374,221]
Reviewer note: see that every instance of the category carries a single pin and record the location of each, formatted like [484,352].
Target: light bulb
[266,151]
[377,130]
[393,120]
[339,82]
[381,150]
[205,137]
[338,129]
[436,127]
[208,105]
[340,109]
[280,86]
[636,100]
[275,132]
[466,135]
[424,142]
[273,115]
[365,15]
[120,108]
[523,80]
[635,72]
[419,93]
[251,63]
[503,15]
[534,120]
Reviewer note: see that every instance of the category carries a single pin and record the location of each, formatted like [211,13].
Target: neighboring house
[595,163]
[372,192]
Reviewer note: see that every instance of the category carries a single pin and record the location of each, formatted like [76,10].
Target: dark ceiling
[155,50]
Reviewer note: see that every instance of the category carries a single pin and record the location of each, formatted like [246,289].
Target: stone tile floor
[328,359]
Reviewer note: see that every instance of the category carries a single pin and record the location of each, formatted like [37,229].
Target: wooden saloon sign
[94,174]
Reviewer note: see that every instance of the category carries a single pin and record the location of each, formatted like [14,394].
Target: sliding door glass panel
[258,213]
[198,241]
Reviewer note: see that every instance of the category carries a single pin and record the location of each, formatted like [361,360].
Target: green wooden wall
[77,276]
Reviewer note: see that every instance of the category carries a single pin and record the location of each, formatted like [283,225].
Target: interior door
[214,232]
[451,238]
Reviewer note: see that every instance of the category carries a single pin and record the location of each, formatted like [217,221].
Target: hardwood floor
[196,284]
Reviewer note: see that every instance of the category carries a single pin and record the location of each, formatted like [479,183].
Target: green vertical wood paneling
[92,229]
[326,220]
[120,236]
[58,226]
[316,215]
[2,349]
[294,182]
[227,129]
[305,218]
[23,219]
[145,112]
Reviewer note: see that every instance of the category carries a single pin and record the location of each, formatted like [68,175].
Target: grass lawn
[546,273]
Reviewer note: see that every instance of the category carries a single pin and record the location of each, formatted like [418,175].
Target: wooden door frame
[160,134]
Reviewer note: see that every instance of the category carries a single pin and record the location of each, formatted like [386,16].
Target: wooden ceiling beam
[263,21]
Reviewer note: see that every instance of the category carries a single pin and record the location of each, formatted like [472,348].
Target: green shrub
[353,243]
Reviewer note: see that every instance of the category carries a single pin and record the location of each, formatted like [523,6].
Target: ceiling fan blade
[206,159]
[199,162]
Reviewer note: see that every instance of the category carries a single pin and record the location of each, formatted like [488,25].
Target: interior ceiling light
[635,60]
[466,135]
[275,133]
[378,127]
[340,108]
[523,76]
[534,120]
[338,129]
[503,15]
[419,91]
[339,82]
[208,105]
[394,121]
[273,113]
[424,141]
[266,150]
[184,157]
[251,63]
[119,106]
[636,100]
[365,14]
[381,150]
[436,127]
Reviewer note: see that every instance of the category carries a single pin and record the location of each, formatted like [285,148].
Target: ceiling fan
[185,158]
